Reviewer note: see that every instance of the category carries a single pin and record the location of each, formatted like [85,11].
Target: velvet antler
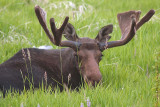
[128,22]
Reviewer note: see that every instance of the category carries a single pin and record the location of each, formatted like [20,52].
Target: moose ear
[70,33]
[103,34]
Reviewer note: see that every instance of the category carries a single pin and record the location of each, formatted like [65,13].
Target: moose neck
[70,69]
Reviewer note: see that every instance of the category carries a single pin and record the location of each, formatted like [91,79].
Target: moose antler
[128,23]
[57,33]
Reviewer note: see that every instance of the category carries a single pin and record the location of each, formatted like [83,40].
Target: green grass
[129,74]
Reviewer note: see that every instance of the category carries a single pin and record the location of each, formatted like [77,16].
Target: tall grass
[128,72]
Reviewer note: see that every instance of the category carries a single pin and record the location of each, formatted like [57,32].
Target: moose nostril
[95,82]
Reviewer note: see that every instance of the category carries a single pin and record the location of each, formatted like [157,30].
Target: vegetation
[130,73]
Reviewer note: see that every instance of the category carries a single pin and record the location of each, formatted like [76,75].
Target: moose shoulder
[70,66]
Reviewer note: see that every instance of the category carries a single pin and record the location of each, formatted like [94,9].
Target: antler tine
[41,17]
[53,26]
[145,19]
[64,24]
[58,32]
[127,38]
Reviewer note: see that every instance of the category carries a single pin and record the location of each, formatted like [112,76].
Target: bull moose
[80,60]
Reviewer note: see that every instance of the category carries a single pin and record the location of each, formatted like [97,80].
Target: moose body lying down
[80,61]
